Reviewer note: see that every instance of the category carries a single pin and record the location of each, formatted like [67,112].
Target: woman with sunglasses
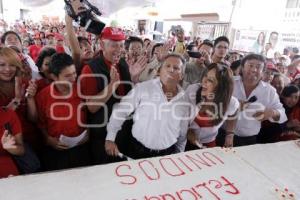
[213,104]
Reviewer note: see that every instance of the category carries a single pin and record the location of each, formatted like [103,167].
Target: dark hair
[253,56]
[81,39]
[3,38]
[58,62]
[274,32]
[132,39]
[289,90]
[221,39]
[223,91]
[54,27]
[155,46]
[295,57]
[295,50]
[207,43]
[46,52]
[234,65]
[175,55]
[42,32]
[147,39]
[190,47]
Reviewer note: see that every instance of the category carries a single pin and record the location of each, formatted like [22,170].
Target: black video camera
[87,18]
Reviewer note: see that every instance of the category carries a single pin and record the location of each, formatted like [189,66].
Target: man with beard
[104,80]
[266,105]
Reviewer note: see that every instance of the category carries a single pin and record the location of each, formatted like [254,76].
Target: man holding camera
[197,65]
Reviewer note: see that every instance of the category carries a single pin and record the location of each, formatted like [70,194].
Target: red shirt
[60,116]
[41,84]
[60,49]
[203,120]
[7,165]
[30,133]
[34,51]
[89,84]
[295,114]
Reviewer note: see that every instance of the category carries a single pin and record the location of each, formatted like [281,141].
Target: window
[292,3]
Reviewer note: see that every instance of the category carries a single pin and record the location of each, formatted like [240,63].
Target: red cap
[271,66]
[59,37]
[111,33]
[49,34]
[36,37]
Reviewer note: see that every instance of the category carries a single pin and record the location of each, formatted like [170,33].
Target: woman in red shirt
[11,142]
[213,105]
[17,93]
[42,63]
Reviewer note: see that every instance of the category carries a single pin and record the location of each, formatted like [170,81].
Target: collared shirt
[207,134]
[158,123]
[266,98]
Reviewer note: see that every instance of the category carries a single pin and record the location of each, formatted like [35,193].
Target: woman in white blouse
[213,105]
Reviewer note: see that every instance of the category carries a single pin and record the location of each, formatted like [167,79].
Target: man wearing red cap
[34,50]
[269,72]
[101,87]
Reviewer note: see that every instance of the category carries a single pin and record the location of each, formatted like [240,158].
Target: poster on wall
[258,41]
[249,41]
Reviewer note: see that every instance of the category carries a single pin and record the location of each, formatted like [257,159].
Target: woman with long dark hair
[214,104]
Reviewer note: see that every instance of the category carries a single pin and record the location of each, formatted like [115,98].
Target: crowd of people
[72,99]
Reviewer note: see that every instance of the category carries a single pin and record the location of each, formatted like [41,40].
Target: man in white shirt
[161,114]
[267,105]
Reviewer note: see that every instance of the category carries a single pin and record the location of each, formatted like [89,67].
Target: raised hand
[163,51]
[205,56]
[8,141]
[31,89]
[114,76]
[137,68]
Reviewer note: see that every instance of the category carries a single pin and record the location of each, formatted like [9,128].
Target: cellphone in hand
[194,54]
[7,127]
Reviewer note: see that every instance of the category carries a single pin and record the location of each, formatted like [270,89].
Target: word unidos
[172,167]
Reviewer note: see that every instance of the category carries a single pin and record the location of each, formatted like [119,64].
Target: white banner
[259,172]
[249,41]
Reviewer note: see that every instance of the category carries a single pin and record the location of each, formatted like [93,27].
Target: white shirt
[266,98]
[208,134]
[158,123]
[34,69]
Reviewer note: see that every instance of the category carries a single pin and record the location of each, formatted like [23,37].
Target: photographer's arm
[74,44]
